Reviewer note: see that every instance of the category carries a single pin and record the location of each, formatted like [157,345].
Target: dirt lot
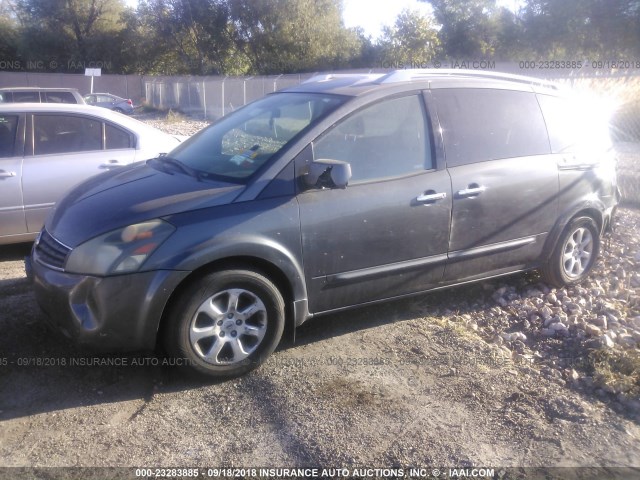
[403,384]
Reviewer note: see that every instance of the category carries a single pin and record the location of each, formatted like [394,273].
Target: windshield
[239,144]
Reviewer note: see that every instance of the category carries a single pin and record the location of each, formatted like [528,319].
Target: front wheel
[226,323]
[575,254]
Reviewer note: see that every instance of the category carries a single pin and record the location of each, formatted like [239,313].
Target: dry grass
[619,370]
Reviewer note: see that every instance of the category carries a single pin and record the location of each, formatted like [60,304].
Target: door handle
[431,197]
[4,174]
[112,163]
[473,191]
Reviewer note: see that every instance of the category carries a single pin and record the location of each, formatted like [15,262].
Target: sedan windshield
[238,145]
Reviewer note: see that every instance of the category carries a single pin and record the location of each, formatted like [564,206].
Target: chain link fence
[213,97]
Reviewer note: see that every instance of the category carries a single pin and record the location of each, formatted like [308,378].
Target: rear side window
[8,127]
[23,97]
[116,138]
[384,140]
[66,134]
[60,97]
[488,124]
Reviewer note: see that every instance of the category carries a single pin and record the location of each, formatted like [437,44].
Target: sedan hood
[131,195]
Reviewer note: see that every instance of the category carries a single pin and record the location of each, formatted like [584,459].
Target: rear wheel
[575,253]
[227,323]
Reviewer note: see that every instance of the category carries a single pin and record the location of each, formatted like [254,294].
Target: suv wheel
[227,323]
[575,253]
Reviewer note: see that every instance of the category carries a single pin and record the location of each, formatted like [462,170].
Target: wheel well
[258,265]
[556,234]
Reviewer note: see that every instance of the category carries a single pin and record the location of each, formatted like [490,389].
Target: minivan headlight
[119,251]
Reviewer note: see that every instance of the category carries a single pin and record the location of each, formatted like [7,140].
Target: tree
[411,42]
[186,36]
[469,29]
[9,33]
[573,29]
[281,36]
[69,30]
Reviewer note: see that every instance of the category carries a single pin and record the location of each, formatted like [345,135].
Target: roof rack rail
[416,74]
[325,77]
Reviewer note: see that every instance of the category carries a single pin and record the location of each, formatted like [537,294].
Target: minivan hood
[131,195]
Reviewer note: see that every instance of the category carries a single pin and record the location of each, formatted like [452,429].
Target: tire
[226,324]
[575,253]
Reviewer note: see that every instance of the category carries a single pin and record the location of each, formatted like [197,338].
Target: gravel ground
[503,373]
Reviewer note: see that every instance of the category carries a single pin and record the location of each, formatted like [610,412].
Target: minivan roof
[355,84]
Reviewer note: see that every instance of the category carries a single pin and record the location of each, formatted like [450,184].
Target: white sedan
[45,149]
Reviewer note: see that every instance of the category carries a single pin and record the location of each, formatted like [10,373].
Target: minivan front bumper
[105,313]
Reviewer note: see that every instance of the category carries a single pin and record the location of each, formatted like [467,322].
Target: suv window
[66,134]
[487,124]
[60,97]
[8,127]
[388,139]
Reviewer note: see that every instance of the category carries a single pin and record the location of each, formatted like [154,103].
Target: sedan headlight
[120,251]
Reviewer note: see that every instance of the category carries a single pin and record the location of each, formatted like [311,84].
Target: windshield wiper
[192,172]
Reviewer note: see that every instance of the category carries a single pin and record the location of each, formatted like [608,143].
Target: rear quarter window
[574,126]
[490,124]
[60,97]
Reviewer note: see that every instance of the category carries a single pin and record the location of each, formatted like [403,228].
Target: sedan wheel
[226,323]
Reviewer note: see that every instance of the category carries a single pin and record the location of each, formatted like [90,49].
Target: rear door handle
[473,191]
[431,197]
[4,174]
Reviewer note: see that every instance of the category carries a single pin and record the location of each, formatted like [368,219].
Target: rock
[593,330]
[552,298]
[607,342]
[558,326]
[545,312]
[626,341]
[635,281]
[512,337]
[601,321]
[501,301]
[547,332]
[572,375]
[573,308]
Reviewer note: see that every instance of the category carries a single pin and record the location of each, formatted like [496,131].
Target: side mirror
[330,173]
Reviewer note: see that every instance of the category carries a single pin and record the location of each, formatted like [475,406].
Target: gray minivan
[340,192]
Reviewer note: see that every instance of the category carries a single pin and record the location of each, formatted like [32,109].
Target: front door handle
[4,174]
[431,197]
[472,191]
[112,163]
